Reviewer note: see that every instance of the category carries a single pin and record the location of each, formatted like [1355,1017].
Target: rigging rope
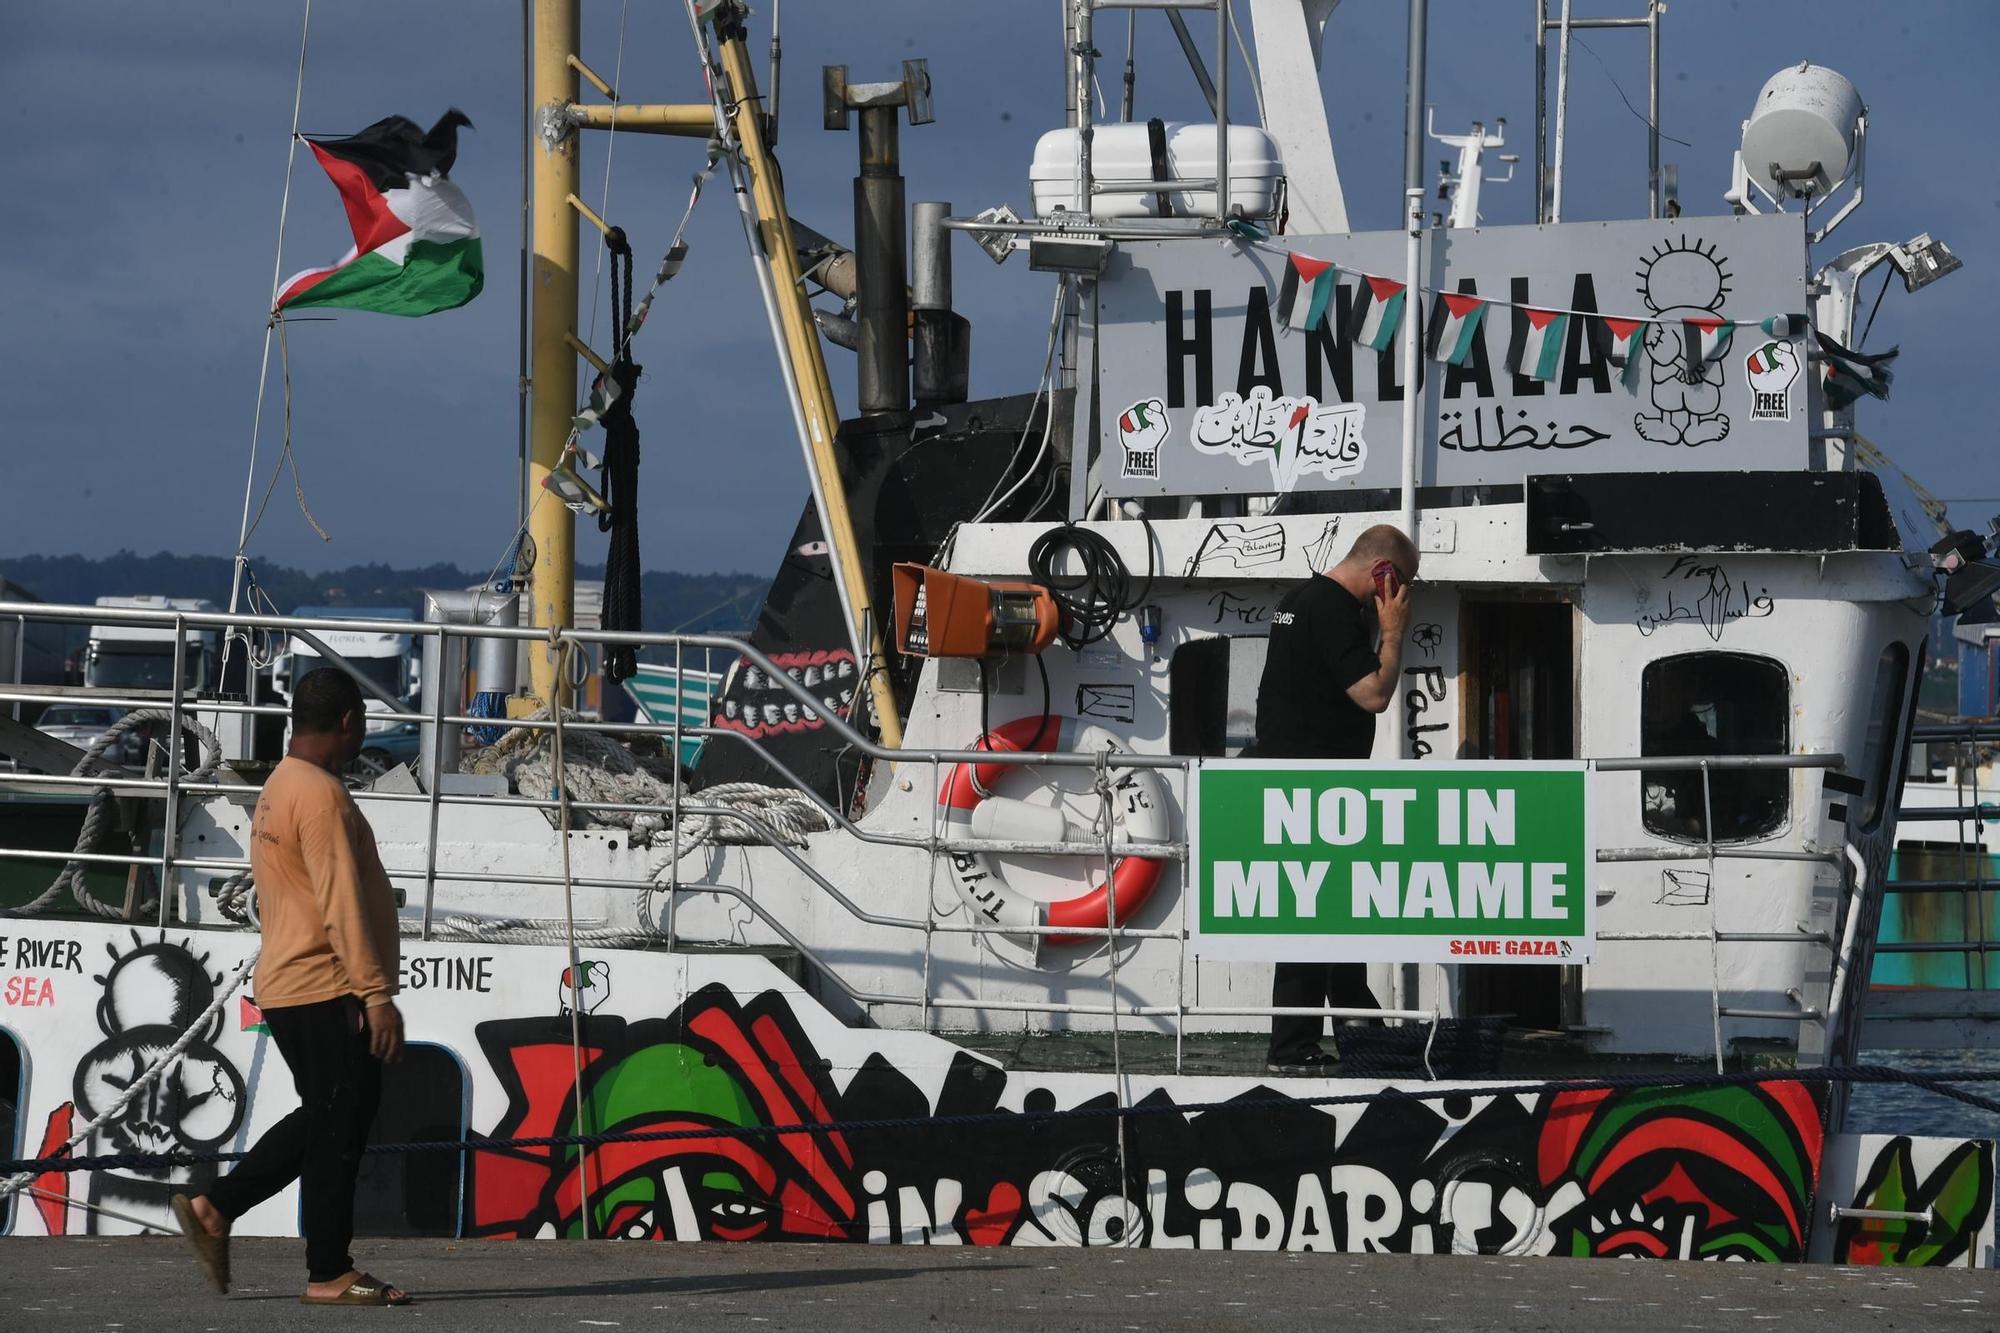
[73,875]
[264,367]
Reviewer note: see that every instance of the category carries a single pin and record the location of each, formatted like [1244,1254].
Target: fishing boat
[959,929]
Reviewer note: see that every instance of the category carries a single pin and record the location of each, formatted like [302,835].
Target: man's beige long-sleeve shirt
[328,913]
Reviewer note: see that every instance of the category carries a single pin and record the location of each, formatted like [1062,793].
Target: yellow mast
[552,363]
[555,345]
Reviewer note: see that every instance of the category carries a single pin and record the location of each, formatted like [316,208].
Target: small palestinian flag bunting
[1851,374]
[1537,349]
[1455,321]
[416,245]
[1318,275]
[1783,326]
[1622,342]
[1378,312]
[1702,341]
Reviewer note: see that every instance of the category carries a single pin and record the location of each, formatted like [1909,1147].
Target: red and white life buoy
[969,807]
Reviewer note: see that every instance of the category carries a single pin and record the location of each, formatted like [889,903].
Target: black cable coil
[1091,600]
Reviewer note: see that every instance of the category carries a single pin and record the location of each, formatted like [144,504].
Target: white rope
[195,1029]
[73,874]
[599,771]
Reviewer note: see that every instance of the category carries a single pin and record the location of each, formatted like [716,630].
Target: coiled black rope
[1091,600]
[619,478]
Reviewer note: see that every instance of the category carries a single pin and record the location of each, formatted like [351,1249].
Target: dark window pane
[1714,704]
[1878,753]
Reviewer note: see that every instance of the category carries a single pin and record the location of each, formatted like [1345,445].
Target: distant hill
[672,600]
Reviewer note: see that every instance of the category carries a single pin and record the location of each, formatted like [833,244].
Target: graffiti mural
[1957,1192]
[917,1141]
[149,994]
[1712,1173]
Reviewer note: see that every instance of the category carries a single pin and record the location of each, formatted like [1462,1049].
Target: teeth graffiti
[729,709]
[1596,1226]
[1660,1225]
[771,715]
[1615,1218]
[1637,1216]
[791,712]
[811,678]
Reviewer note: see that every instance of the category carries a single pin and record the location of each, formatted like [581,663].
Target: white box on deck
[1122,155]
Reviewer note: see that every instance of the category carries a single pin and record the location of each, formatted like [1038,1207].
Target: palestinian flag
[1622,342]
[416,246]
[1851,374]
[1317,275]
[1455,321]
[1378,312]
[1537,349]
[1703,340]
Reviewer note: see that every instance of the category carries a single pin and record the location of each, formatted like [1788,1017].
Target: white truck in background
[388,659]
[137,660]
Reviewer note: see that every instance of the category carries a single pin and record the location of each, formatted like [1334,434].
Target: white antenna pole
[1562,116]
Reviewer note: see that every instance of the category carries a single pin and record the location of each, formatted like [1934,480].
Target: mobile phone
[1387,581]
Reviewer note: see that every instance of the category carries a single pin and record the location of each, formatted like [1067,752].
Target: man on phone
[326,982]
[1325,679]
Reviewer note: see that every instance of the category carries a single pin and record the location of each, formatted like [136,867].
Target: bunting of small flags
[1455,320]
[1783,326]
[1702,341]
[1378,311]
[1850,374]
[1537,348]
[1316,276]
[1622,342]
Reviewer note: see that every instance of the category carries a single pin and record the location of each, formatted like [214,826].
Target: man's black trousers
[319,1145]
[1312,986]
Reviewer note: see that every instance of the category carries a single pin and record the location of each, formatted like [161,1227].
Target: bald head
[1383,542]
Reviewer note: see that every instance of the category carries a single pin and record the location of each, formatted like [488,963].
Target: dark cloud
[146,158]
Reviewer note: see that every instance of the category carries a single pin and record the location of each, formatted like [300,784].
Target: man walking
[1324,681]
[326,982]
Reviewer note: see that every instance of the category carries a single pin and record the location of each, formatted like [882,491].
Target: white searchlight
[1805,138]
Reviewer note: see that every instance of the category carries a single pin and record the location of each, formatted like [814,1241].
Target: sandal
[211,1253]
[364,1290]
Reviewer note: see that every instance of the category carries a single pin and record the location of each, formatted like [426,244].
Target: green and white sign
[1311,861]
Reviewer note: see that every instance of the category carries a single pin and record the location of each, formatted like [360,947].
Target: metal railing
[935,841]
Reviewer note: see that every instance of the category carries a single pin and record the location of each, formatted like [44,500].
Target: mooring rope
[1939,1083]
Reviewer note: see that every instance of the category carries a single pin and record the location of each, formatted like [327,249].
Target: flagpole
[246,742]
[1413,193]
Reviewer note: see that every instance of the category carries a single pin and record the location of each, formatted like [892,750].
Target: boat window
[1878,750]
[414,1193]
[1212,694]
[1714,704]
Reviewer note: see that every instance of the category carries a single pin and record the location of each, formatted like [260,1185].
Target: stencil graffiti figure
[1685,285]
[152,992]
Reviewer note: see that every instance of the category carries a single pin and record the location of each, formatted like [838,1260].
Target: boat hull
[920,1141]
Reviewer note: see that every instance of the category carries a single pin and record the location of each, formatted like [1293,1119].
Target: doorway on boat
[415,1193]
[1518,701]
[12,1093]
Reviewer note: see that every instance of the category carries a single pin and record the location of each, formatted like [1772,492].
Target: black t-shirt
[1320,644]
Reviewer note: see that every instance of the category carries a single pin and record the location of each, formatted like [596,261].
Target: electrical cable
[1091,600]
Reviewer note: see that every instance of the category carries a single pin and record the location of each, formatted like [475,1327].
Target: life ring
[1140,812]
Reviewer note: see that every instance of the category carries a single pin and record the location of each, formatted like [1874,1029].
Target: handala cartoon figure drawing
[1684,286]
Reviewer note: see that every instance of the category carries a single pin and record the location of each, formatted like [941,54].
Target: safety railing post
[1714,940]
[436,781]
[170,820]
